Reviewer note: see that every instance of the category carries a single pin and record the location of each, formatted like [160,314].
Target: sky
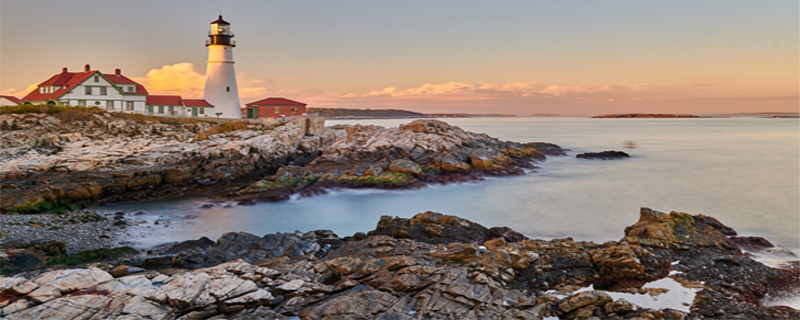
[445,56]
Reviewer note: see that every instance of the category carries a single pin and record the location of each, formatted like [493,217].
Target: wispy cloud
[523,97]
[20,93]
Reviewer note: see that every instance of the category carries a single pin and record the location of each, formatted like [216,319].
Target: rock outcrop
[414,274]
[605,155]
[45,165]
[409,156]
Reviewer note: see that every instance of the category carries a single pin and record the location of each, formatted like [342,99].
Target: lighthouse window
[228,89]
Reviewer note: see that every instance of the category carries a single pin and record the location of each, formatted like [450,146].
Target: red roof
[12,99]
[274,101]
[196,103]
[70,80]
[156,100]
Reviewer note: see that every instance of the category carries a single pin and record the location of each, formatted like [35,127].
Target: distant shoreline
[646,115]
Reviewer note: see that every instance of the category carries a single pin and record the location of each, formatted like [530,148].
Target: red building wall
[268,111]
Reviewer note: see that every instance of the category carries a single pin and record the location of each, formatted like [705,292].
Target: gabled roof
[70,80]
[274,102]
[11,98]
[156,100]
[196,103]
[120,79]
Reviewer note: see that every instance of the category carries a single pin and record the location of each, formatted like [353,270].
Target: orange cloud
[20,93]
[177,79]
[182,79]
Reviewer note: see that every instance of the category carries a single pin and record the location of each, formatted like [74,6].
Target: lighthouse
[221,90]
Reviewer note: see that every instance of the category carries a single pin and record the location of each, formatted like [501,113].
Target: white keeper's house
[112,92]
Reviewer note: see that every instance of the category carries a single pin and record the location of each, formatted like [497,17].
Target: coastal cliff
[431,266]
[48,164]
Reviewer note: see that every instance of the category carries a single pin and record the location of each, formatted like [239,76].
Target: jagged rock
[121,158]
[381,277]
[436,228]
[583,299]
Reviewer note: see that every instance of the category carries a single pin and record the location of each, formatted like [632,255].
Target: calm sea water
[743,171]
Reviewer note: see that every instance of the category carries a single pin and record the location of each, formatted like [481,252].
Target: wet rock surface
[403,271]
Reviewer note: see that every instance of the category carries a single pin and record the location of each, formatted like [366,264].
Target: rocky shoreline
[47,165]
[431,266]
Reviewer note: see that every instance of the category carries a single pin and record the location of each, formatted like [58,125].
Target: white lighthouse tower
[221,90]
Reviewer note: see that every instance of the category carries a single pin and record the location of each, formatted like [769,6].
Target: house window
[88,91]
[110,105]
[102,91]
[202,110]
[96,78]
[171,110]
[160,109]
[130,89]
[129,105]
[277,110]
[82,103]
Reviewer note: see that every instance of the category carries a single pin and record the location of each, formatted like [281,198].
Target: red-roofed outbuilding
[271,107]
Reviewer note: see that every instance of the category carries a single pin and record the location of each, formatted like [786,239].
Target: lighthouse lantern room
[221,90]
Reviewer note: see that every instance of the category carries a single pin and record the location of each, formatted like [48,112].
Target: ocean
[741,170]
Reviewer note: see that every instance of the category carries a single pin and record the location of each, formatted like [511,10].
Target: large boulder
[437,228]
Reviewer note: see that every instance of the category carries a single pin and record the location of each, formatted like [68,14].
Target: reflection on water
[743,171]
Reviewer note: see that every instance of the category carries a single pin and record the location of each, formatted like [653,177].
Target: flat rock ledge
[605,155]
[431,266]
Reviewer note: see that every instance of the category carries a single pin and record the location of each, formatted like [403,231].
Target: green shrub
[91,256]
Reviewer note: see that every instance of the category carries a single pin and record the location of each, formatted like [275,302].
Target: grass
[66,114]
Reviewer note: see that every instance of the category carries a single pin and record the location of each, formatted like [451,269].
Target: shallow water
[743,171]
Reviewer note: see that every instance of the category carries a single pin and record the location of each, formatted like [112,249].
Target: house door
[194,112]
[150,110]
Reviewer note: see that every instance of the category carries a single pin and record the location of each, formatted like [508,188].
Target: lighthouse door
[194,112]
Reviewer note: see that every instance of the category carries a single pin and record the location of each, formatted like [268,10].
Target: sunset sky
[509,57]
